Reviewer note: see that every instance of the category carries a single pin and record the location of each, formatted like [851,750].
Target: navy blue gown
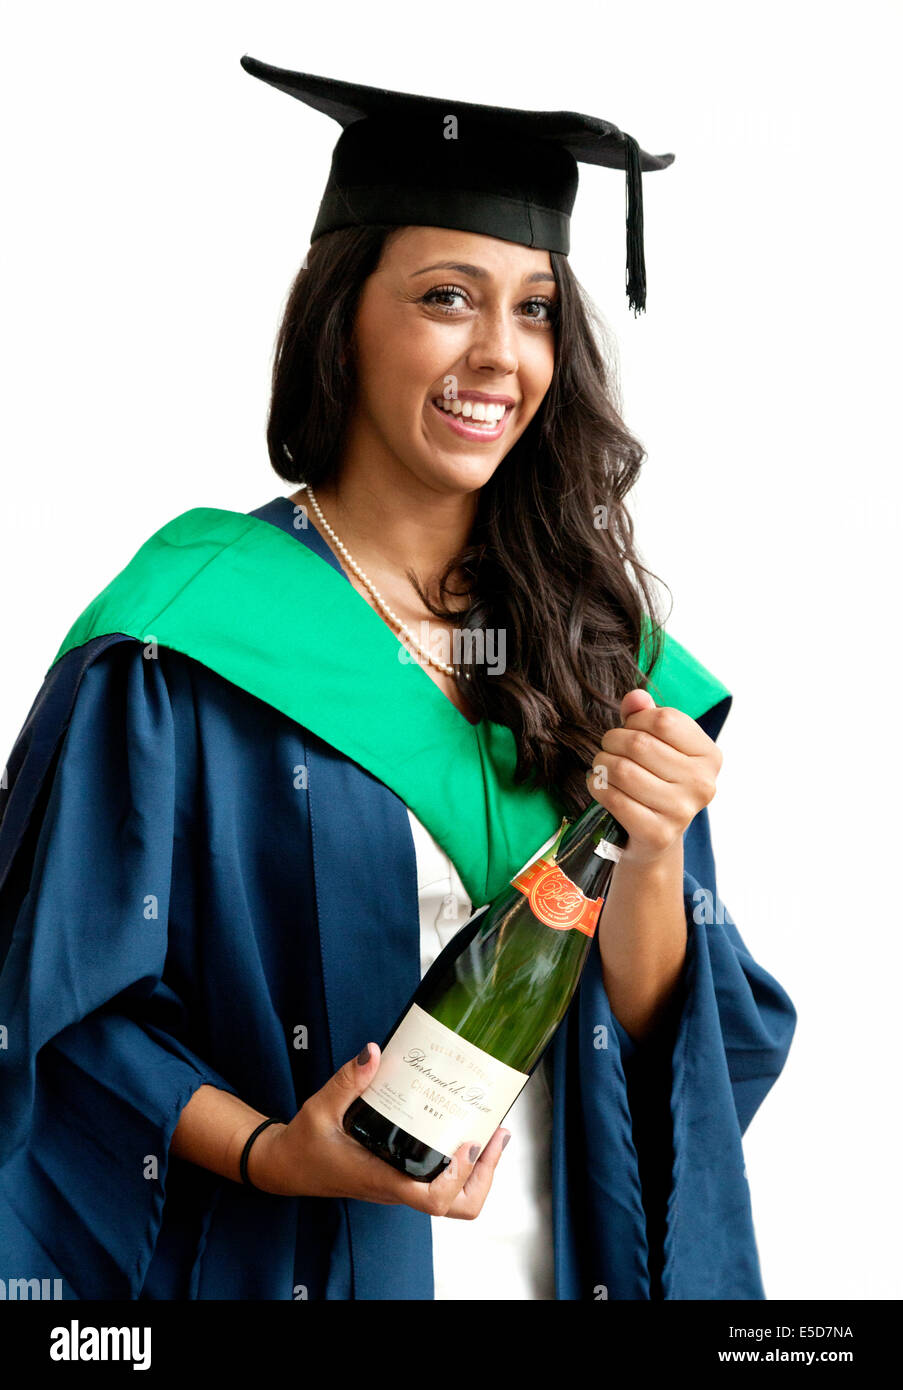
[175,910]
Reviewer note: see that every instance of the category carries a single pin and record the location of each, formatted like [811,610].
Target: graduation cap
[412,160]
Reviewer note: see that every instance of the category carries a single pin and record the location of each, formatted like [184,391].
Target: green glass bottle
[467,1041]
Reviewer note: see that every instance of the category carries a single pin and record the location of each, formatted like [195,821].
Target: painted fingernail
[474,1151]
[505,1140]
[363,1056]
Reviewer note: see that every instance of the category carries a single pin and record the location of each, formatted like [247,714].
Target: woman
[244,816]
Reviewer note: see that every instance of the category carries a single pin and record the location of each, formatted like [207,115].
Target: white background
[158,204]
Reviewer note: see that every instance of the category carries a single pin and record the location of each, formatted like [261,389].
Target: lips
[466,426]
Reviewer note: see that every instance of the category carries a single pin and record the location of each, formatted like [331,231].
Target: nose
[492,347]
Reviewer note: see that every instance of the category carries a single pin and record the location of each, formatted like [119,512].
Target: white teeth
[481,411]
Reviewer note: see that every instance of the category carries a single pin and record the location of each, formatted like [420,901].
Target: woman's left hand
[654,774]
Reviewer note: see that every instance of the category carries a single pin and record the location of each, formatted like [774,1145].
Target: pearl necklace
[371,588]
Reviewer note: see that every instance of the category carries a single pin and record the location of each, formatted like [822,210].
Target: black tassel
[636,261]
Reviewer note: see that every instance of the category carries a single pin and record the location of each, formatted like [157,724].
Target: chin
[460,474]
[454,470]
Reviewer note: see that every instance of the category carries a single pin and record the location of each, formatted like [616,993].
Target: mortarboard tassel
[636,262]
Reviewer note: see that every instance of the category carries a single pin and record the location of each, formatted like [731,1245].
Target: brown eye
[433,296]
[547,307]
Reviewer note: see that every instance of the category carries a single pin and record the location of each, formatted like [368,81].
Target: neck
[394,523]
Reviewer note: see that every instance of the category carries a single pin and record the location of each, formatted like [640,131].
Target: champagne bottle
[478,1023]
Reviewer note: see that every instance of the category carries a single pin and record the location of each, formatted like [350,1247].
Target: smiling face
[454,342]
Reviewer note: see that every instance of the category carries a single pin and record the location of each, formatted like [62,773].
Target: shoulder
[162,567]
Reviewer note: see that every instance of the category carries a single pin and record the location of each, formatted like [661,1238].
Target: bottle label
[440,1088]
[555,900]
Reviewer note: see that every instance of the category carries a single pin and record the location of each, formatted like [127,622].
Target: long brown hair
[550,560]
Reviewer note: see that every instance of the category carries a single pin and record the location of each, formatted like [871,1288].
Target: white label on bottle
[439,1088]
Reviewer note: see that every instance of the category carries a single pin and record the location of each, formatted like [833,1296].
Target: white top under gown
[505,1252]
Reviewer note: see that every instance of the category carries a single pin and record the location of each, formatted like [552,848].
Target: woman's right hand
[312,1156]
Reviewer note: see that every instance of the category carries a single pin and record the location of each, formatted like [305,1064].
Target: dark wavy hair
[570,594]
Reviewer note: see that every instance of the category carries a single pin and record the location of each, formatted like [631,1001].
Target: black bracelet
[243,1165]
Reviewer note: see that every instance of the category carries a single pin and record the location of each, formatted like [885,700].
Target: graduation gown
[207,875]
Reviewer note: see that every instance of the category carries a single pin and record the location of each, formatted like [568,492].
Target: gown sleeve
[668,1112]
[755,1023]
[96,1057]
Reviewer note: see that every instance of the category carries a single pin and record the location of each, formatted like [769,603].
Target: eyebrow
[478,272]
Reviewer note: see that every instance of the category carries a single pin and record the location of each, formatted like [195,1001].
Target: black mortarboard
[428,161]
